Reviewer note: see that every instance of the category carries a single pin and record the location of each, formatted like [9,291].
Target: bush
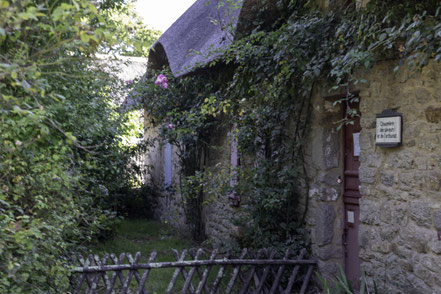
[135,203]
[61,148]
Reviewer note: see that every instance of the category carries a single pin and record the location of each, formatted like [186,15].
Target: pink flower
[162,81]
[129,82]
[170,126]
[162,78]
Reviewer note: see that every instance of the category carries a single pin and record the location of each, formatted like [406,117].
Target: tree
[60,139]
[129,35]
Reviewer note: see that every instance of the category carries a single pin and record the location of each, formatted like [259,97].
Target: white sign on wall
[356,139]
[389,129]
[351,217]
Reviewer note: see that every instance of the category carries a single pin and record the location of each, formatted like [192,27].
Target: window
[168,168]
[234,164]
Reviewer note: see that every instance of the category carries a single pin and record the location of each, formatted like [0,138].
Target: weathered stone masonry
[401,204]
[400,208]
[217,213]
[324,163]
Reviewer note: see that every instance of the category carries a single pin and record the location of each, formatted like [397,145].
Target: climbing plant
[263,84]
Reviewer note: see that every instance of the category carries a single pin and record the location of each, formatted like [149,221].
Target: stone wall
[400,208]
[324,161]
[169,206]
[218,213]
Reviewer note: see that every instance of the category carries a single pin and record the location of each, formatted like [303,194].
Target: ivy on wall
[263,85]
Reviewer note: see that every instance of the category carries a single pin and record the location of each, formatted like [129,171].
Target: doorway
[351,197]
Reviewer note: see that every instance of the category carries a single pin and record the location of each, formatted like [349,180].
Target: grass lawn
[138,235]
[133,235]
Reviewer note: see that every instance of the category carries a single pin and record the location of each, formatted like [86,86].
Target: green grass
[136,235]
[133,235]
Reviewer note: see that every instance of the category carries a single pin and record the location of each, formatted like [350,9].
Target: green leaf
[84,37]
[4,4]
[58,13]
[31,13]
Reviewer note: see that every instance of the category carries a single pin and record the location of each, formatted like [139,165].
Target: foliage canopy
[61,139]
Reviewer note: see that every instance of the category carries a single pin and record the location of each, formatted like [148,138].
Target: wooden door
[351,197]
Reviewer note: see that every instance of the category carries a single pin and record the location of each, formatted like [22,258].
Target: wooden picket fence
[249,273]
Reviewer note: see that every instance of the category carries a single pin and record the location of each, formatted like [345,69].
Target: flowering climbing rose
[163,78]
[162,81]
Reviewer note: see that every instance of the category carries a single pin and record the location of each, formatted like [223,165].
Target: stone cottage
[375,186]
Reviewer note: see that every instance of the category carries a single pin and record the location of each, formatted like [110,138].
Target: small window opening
[168,166]
[234,164]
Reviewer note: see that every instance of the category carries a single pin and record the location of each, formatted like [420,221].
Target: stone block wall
[324,162]
[169,205]
[400,207]
[218,213]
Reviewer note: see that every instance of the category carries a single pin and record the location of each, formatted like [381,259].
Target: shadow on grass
[138,235]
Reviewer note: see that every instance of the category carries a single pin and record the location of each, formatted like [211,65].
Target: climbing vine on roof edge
[262,85]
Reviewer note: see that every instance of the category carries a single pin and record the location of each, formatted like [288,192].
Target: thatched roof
[197,37]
